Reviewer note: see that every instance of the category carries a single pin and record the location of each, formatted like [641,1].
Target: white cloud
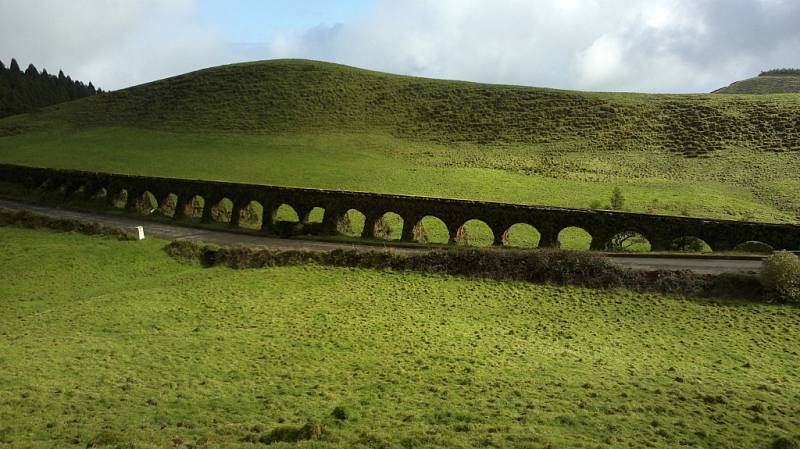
[633,45]
[654,45]
[114,43]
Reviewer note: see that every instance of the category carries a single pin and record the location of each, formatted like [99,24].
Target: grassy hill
[305,123]
[771,82]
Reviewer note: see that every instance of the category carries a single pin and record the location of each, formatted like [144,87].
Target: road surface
[169,231]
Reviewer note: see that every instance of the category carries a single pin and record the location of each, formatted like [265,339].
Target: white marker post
[139,232]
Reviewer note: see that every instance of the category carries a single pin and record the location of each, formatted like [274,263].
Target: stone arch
[146,203]
[574,237]
[351,223]
[222,211]
[194,207]
[521,235]
[690,244]
[99,194]
[431,229]
[388,226]
[285,213]
[251,215]
[754,247]
[315,215]
[474,232]
[629,241]
[168,205]
[120,199]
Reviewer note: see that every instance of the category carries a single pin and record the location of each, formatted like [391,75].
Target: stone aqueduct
[720,235]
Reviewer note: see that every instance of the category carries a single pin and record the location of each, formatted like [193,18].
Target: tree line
[27,91]
[780,72]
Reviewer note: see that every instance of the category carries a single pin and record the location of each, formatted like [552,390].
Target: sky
[599,45]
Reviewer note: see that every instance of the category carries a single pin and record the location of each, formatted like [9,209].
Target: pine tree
[24,92]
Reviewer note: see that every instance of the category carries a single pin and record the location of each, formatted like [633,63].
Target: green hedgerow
[781,274]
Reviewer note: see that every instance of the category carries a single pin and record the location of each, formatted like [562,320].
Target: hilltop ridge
[778,81]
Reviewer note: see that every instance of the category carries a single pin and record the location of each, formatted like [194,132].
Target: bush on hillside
[781,274]
[780,72]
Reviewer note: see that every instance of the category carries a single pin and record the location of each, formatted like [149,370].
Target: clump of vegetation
[312,430]
[27,219]
[784,443]
[617,199]
[781,72]
[781,274]
[340,413]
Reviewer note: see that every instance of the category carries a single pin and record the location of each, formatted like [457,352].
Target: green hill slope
[772,82]
[314,124]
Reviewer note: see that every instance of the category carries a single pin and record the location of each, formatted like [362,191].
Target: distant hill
[27,91]
[779,81]
[314,124]
[279,96]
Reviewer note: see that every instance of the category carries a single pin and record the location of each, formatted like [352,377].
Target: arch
[100,194]
[315,215]
[574,237]
[146,203]
[251,216]
[690,244]
[286,213]
[388,226]
[167,205]
[351,223]
[522,235]
[194,207]
[431,229]
[629,241]
[222,212]
[474,232]
[120,199]
[754,247]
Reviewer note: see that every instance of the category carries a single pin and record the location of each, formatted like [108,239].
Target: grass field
[114,344]
[308,124]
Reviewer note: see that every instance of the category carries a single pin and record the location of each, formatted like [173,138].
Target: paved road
[168,231]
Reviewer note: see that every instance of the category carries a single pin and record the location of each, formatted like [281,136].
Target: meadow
[107,343]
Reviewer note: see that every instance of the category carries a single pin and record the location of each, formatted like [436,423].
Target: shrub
[312,430]
[617,199]
[340,413]
[781,274]
[187,250]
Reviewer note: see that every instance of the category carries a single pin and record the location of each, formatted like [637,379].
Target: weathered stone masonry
[549,221]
